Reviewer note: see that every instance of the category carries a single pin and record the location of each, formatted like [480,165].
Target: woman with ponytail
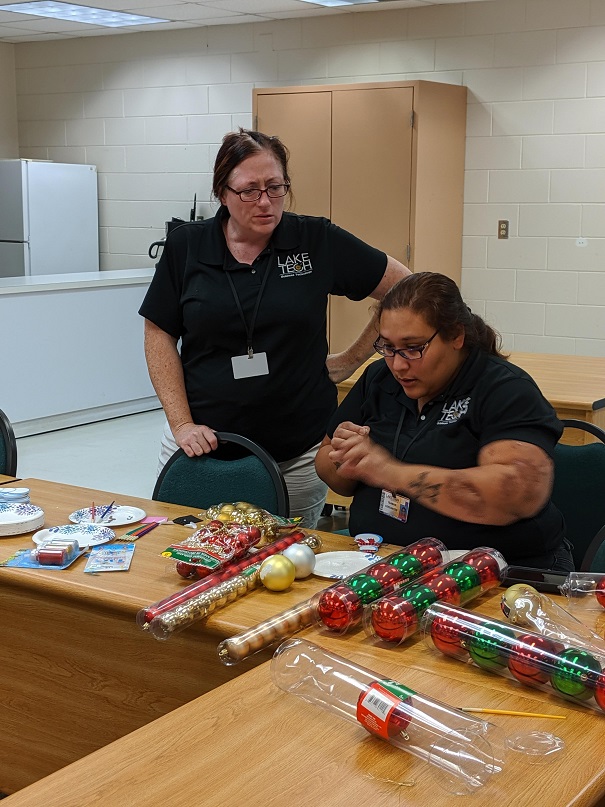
[445,437]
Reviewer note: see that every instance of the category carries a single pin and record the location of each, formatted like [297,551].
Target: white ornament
[302,557]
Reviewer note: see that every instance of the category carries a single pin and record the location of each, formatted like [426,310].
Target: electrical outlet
[503,228]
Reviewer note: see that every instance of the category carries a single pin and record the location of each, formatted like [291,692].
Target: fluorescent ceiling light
[340,2]
[73,13]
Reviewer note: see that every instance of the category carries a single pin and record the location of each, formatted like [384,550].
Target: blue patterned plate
[15,519]
[118,516]
[85,534]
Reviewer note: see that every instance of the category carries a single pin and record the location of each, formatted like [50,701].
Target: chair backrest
[8,447]
[579,489]
[239,470]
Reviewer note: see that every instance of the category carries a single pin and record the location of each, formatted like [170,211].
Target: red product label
[374,708]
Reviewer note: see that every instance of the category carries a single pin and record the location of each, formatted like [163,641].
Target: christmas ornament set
[396,617]
[555,665]
[465,752]
[212,547]
[196,601]
[340,606]
[249,515]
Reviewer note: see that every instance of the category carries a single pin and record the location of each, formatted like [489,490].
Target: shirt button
[422,417]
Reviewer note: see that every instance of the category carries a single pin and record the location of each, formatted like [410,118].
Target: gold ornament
[277,573]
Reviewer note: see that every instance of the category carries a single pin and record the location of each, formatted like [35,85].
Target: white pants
[306,491]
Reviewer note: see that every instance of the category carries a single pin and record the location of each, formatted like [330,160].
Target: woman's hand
[357,457]
[195,440]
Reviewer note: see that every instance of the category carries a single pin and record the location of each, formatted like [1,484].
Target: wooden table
[248,742]
[574,385]
[4,479]
[77,672]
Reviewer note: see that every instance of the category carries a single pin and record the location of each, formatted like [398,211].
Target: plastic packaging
[585,591]
[200,599]
[556,666]
[396,617]
[341,605]
[462,748]
[523,605]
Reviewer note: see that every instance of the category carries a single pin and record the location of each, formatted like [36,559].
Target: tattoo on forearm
[420,488]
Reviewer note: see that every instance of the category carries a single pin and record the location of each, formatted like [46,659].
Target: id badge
[395,505]
[249,366]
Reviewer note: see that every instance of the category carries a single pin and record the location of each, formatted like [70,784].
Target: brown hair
[437,299]
[236,147]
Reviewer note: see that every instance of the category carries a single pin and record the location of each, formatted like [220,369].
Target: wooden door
[371,184]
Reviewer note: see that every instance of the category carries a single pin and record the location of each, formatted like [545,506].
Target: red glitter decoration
[485,565]
[446,588]
[530,659]
[338,607]
[448,635]
[394,619]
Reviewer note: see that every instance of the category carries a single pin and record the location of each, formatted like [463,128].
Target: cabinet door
[303,122]
[371,184]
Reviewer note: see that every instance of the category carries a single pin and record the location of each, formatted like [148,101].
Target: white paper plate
[455,554]
[338,565]
[85,534]
[15,519]
[118,517]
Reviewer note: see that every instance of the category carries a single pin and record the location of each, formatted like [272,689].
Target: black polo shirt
[490,399]
[190,298]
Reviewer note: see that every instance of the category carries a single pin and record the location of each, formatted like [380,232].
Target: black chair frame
[7,435]
[224,438]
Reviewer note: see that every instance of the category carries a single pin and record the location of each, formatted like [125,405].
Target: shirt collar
[286,236]
[465,379]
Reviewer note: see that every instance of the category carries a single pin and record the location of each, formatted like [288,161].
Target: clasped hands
[357,456]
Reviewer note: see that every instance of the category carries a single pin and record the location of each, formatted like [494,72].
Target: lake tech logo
[295,265]
[453,412]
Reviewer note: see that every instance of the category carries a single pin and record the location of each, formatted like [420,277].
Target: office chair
[8,447]
[579,493]
[239,470]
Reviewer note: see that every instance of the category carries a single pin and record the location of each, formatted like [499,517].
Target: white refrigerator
[49,220]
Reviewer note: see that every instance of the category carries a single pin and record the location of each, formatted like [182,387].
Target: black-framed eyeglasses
[409,353]
[254,194]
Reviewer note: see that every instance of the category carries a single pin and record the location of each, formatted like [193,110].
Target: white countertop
[75,280]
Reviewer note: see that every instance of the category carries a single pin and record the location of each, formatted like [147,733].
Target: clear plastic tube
[463,748]
[555,665]
[338,607]
[585,591]
[396,617]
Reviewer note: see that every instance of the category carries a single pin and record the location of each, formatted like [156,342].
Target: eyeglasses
[254,194]
[409,353]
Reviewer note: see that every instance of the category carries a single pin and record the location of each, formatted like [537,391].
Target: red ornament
[531,657]
[485,565]
[399,720]
[338,607]
[388,576]
[600,592]
[427,554]
[599,693]
[446,588]
[394,619]
[448,635]
[186,569]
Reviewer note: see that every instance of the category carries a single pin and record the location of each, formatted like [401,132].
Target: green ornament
[367,588]
[408,565]
[576,672]
[489,647]
[419,597]
[466,576]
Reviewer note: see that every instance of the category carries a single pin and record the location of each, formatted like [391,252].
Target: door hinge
[412,119]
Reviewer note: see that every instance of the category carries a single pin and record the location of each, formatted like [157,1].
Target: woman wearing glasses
[446,438]
[246,293]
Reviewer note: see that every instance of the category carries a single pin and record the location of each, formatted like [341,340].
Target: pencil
[509,712]
[106,510]
[142,530]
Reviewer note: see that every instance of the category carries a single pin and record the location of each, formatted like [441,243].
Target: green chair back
[8,447]
[579,492]
[239,470]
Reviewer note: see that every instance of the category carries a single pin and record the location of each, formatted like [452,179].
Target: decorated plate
[118,516]
[15,519]
[85,534]
[338,565]
[14,495]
